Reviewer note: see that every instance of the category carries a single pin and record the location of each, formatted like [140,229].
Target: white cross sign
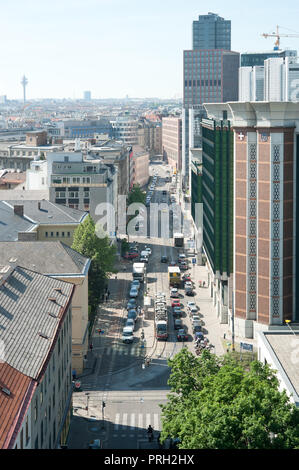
[241,136]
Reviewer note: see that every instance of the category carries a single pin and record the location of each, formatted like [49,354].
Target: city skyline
[115,49]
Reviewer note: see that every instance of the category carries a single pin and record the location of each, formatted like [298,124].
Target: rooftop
[30,319]
[11,224]
[58,258]
[18,389]
[48,212]
[284,345]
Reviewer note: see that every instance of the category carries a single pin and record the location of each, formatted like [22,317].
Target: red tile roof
[14,406]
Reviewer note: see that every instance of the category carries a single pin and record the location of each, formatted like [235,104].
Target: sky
[116,48]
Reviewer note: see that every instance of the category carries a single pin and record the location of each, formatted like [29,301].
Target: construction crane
[277,35]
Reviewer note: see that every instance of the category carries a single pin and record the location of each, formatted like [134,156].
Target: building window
[27,431]
[21,439]
[68,234]
[46,234]
[52,234]
[62,234]
[35,409]
[57,234]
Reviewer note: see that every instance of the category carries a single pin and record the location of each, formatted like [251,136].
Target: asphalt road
[132,394]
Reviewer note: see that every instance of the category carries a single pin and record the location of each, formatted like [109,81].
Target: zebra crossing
[124,350]
[135,423]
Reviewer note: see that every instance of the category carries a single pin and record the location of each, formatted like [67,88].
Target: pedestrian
[106,288]
[91,347]
[74,374]
[204,283]
[108,294]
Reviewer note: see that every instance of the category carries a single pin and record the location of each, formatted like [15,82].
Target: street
[118,379]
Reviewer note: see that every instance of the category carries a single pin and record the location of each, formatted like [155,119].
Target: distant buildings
[150,136]
[251,83]
[87,95]
[172,141]
[125,128]
[253,59]
[83,128]
[35,372]
[276,80]
[139,167]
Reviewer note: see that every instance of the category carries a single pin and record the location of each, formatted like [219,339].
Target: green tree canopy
[216,404]
[102,255]
[136,195]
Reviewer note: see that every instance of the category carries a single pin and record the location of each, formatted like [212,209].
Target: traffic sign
[246,346]
[193,260]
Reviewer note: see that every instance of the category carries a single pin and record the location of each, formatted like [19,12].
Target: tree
[136,195]
[102,255]
[216,404]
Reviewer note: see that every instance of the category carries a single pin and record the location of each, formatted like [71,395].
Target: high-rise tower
[210,76]
[24,83]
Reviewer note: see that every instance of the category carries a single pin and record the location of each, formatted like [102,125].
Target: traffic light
[103,404]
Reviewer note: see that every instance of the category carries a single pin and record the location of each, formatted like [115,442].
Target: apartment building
[172,141]
[72,267]
[35,370]
[42,220]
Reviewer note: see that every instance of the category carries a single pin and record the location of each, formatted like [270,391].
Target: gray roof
[50,213]
[11,224]
[57,258]
[24,313]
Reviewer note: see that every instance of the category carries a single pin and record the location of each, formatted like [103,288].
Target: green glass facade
[196,187]
[217,194]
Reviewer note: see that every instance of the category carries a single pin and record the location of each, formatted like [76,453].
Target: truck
[178,239]
[139,271]
[174,276]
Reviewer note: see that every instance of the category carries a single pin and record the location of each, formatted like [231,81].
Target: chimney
[19,210]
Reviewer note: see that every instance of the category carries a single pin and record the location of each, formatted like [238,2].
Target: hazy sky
[120,47]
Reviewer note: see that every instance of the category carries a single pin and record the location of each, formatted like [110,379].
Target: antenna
[24,83]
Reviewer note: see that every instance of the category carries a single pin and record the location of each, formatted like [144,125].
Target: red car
[132,255]
[175,303]
[184,266]
[187,278]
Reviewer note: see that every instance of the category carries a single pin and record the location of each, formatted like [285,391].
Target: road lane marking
[125,419]
[116,424]
[132,421]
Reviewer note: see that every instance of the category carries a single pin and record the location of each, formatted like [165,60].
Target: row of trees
[215,403]
[102,255]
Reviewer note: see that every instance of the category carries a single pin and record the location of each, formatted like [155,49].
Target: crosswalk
[126,350]
[135,422]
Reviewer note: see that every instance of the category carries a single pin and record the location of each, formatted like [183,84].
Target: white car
[130,322]
[148,250]
[191,304]
[127,335]
[193,311]
[195,318]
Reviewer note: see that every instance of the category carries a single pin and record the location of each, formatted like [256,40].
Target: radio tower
[24,83]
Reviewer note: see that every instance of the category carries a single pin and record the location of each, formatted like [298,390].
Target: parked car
[182,335]
[190,292]
[131,304]
[134,292]
[188,284]
[178,324]
[174,293]
[193,310]
[127,335]
[136,283]
[177,311]
[184,266]
[164,259]
[197,329]
[198,334]
[147,248]
[130,322]
[175,303]
[132,314]
[195,318]
[143,259]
